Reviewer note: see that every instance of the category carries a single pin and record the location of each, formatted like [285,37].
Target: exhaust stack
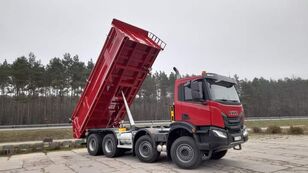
[177,73]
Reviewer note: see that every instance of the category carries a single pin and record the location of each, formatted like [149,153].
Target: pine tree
[20,72]
[4,77]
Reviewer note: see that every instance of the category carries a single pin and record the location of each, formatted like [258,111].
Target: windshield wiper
[225,100]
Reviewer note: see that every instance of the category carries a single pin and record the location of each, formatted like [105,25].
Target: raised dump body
[123,64]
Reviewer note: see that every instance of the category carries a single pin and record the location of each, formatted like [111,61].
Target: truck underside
[147,143]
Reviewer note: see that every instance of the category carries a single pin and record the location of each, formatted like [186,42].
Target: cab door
[192,103]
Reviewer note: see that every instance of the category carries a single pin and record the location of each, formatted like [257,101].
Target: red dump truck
[207,117]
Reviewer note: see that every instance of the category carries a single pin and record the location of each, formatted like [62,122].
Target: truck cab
[208,100]
[207,108]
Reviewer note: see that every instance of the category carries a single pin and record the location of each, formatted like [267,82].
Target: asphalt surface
[267,153]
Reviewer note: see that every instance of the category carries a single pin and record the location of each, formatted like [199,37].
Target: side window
[200,91]
[181,92]
[187,93]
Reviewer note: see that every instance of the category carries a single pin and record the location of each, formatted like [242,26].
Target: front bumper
[217,139]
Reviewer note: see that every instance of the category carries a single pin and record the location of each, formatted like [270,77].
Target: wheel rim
[185,153]
[108,145]
[92,145]
[145,149]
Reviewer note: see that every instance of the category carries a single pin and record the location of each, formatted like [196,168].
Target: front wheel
[218,155]
[145,150]
[185,153]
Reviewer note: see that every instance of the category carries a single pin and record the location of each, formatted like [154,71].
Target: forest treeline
[33,93]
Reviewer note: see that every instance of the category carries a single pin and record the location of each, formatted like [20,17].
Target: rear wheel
[94,144]
[110,146]
[145,150]
[218,155]
[185,153]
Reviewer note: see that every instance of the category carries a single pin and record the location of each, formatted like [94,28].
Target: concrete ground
[266,153]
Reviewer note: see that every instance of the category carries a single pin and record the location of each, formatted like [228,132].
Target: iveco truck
[206,119]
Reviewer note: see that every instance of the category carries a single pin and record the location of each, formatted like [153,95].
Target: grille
[233,124]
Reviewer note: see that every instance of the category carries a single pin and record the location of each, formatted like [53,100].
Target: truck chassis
[184,143]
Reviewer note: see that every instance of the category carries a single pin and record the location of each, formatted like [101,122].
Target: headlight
[220,134]
[245,132]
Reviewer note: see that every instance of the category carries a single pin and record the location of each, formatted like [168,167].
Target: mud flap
[208,156]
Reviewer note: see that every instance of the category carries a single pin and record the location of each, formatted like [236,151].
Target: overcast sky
[251,38]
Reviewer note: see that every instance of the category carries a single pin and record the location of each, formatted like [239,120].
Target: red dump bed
[122,65]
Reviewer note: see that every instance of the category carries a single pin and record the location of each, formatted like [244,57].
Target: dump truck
[206,118]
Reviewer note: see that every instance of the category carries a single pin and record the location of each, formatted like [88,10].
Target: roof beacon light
[203,73]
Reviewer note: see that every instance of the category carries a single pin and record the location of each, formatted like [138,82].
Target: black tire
[94,144]
[185,153]
[145,150]
[110,146]
[218,155]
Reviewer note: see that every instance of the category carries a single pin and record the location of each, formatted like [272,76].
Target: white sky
[251,38]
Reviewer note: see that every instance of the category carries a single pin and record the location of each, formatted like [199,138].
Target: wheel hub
[92,145]
[145,149]
[108,146]
[185,153]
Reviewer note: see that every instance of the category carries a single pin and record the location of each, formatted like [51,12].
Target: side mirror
[196,91]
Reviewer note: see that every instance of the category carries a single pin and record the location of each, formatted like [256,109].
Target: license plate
[237,138]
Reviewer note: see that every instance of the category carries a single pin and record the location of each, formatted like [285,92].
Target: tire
[110,146]
[94,144]
[145,150]
[218,155]
[185,153]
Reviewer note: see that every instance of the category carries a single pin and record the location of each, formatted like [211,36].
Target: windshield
[223,92]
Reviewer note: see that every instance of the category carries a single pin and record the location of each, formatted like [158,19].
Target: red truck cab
[208,108]
[207,100]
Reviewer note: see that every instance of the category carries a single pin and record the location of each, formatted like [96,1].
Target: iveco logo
[234,113]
